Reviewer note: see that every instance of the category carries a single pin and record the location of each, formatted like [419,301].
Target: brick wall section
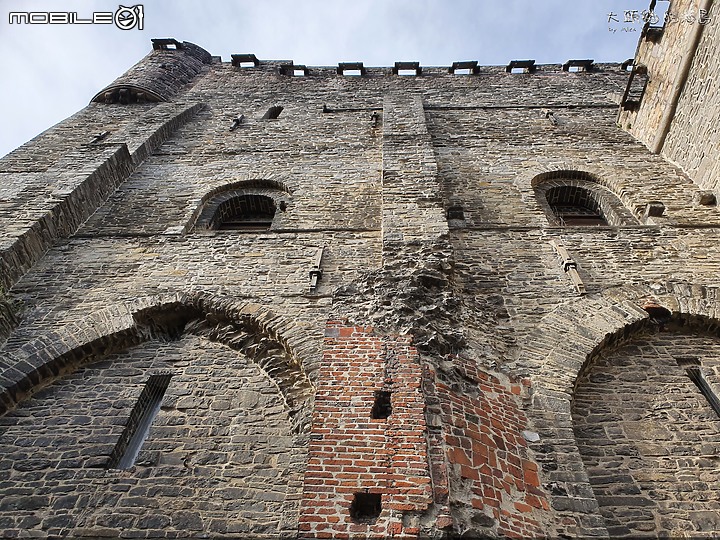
[489,469]
[350,452]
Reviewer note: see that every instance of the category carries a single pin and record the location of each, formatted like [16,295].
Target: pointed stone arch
[276,344]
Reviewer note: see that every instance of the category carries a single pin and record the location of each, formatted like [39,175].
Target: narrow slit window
[138,426]
[273,113]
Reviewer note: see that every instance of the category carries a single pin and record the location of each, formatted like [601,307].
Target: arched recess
[646,429]
[574,197]
[557,352]
[273,342]
[259,203]
[225,456]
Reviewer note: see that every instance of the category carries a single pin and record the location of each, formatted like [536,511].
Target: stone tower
[260,299]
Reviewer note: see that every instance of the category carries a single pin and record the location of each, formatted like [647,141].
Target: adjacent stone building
[259,299]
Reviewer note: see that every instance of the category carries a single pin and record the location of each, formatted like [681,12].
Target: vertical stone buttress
[411,191]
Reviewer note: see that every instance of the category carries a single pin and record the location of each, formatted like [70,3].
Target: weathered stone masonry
[403,329]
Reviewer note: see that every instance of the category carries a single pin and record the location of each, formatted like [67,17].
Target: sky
[51,71]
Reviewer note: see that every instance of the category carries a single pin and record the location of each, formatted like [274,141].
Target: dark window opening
[366,507]
[575,206]
[455,212]
[137,428]
[382,408]
[250,212]
[272,113]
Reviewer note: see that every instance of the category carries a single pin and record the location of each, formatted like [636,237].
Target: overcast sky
[50,71]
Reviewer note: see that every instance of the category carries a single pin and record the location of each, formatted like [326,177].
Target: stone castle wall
[422,199]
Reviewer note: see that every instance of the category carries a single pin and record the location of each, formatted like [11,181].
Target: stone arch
[273,342]
[645,431]
[616,180]
[582,188]
[214,200]
[556,353]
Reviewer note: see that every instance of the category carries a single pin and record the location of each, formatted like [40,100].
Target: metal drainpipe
[680,81]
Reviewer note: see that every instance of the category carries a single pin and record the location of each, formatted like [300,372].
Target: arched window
[578,199]
[252,205]
[251,212]
[573,205]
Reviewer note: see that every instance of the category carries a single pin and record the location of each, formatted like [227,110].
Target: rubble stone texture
[421,344]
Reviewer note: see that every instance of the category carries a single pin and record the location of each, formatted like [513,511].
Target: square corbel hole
[366,507]
[382,407]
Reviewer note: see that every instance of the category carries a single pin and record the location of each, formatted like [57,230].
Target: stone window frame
[213,201]
[609,205]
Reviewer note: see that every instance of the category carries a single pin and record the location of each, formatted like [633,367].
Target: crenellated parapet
[159,76]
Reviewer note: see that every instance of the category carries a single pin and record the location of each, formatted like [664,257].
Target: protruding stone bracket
[581,65]
[237,121]
[166,44]
[705,198]
[654,209]
[316,271]
[569,266]
[99,137]
[528,66]
[471,66]
[351,66]
[693,370]
[628,64]
[294,70]
[407,66]
[237,60]
[550,116]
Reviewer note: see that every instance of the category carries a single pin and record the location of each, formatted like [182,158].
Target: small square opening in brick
[382,408]
[366,507]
